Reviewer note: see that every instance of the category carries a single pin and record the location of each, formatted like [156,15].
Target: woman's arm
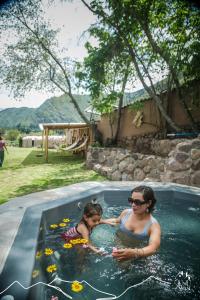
[154,244]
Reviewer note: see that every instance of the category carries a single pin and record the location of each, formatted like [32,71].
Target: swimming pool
[173,273]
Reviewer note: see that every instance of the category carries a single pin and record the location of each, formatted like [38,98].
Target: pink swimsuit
[71,233]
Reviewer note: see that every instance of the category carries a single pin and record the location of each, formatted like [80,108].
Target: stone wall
[179,162]
[149,144]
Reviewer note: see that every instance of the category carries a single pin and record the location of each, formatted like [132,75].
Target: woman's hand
[124,254]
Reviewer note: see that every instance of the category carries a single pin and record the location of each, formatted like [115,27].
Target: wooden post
[46,143]
[43,140]
[90,133]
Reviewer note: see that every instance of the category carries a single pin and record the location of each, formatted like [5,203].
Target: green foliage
[2,131]
[12,134]
[96,145]
[106,104]
[139,105]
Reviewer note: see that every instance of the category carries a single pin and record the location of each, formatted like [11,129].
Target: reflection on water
[176,263]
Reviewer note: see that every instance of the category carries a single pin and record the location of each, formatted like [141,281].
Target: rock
[184,147]
[147,169]
[181,156]
[116,176]
[130,169]
[110,161]
[196,165]
[161,167]
[175,166]
[154,174]
[195,180]
[105,170]
[97,167]
[196,143]
[138,174]
[102,157]
[122,166]
[182,178]
[195,154]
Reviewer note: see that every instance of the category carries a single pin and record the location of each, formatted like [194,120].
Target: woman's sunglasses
[137,202]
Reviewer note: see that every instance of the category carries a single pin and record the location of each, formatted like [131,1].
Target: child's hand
[102,251]
[114,250]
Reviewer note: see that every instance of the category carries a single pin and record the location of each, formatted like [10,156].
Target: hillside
[56,109]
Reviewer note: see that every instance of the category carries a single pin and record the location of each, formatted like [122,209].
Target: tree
[35,59]
[141,24]
[172,49]
[105,74]
[12,134]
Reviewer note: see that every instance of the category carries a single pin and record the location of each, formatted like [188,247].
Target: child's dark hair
[148,195]
[92,209]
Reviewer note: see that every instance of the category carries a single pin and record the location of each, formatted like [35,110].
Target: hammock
[71,146]
[81,146]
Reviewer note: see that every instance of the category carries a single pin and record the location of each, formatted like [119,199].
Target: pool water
[174,269]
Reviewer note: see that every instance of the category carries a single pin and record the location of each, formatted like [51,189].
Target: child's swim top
[72,233]
[139,236]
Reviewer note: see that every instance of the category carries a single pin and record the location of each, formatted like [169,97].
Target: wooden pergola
[54,126]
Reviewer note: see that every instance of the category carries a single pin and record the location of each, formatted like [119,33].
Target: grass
[25,171]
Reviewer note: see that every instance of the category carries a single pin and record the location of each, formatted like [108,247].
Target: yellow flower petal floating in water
[76,286]
[48,251]
[75,241]
[53,226]
[67,245]
[62,224]
[38,254]
[66,220]
[51,268]
[84,241]
[35,273]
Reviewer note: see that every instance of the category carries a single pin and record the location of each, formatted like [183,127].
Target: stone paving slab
[11,213]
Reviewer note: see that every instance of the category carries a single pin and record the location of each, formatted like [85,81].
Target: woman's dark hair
[92,209]
[148,195]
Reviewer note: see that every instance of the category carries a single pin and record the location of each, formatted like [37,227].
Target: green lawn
[25,171]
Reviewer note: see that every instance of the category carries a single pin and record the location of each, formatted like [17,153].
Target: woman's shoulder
[153,220]
[125,212]
[154,223]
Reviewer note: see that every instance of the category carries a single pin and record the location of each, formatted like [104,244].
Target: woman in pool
[139,224]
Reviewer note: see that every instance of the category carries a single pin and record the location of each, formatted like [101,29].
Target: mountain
[53,110]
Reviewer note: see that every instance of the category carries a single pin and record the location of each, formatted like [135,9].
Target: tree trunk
[119,112]
[151,93]
[78,108]
[167,59]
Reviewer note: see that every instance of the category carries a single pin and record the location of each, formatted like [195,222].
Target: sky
[74,18]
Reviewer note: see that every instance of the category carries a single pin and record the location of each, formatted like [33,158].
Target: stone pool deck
[12,212]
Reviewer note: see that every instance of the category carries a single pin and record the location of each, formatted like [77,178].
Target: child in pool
[91,217]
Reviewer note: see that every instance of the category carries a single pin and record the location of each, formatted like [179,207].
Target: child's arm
[85,234]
